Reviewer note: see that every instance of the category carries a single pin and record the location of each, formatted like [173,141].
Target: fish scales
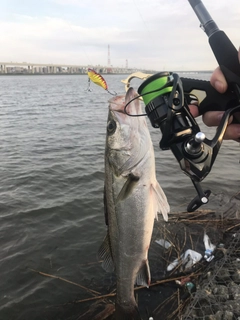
[132,199]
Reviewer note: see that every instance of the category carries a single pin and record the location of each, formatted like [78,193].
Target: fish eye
[111,126]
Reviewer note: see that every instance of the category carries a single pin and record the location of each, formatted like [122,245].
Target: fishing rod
[166,97]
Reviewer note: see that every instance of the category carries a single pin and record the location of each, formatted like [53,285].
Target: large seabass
[132,199]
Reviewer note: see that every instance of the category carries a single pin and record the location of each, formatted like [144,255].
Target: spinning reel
[166,97]
[167,109]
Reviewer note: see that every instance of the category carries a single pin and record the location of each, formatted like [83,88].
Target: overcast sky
[150,34]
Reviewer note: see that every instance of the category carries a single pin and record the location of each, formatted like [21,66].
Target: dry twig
[68,281]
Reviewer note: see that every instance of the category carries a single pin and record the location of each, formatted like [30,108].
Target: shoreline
[55,74]
[103,73]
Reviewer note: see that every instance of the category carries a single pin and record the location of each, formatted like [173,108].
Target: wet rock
[211,317]
[193,315]
[236,276]
[233,306]
[234,290]
[205,293]
[228,315]
[221,292]
[205,309]
[223,276]
[219,315]
[235,264]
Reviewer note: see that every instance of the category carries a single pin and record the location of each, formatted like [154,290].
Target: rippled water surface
[52,134]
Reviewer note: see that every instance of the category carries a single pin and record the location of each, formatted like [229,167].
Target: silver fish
[132,199]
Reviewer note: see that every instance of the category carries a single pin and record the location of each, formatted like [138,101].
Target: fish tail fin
[127,312]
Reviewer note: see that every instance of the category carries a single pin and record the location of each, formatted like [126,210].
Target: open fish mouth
[119,103]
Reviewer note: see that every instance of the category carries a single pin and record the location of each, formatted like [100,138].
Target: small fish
[132,199]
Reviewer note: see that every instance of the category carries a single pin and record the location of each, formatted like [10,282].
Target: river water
[52,134]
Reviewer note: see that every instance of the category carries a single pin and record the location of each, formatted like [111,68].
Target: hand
[213,118]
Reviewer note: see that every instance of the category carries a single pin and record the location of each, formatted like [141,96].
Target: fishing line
[114,93]
[139,96]
[141,17]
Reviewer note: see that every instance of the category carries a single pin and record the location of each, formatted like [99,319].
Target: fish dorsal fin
[160,203]
[127,187]
[104,253]
[144,276]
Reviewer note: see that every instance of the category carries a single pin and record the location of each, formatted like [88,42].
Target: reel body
[167,96]
[166,106]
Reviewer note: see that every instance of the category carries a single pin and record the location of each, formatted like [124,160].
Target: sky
[148,34]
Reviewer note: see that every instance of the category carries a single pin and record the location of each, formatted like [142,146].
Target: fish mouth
[118,110]
[128,104]
[135,145]
[117,104]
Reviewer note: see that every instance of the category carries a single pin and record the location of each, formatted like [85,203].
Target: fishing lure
[98,80]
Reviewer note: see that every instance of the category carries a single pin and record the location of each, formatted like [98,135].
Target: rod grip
[209,98]
[225,52]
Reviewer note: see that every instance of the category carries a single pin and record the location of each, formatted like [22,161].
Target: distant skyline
[154,34]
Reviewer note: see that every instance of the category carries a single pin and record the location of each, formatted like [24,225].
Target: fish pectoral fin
[104,253]
[128,187]
[160,203]
[144,277]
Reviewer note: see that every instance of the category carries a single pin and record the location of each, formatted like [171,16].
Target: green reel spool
[155,86]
